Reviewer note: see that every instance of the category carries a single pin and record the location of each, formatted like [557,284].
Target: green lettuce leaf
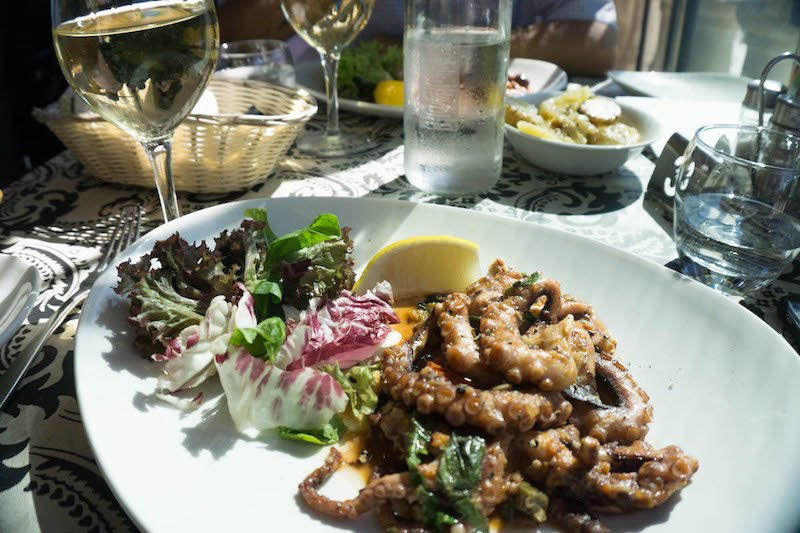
[322,270]
[245,249]
[329,434]
[312,262]
[171,287]
[360,386]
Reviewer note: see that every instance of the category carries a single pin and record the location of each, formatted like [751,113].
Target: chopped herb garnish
[458,476]
[526,282]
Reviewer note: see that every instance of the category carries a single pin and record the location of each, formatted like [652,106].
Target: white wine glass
[329,26]
[142,66]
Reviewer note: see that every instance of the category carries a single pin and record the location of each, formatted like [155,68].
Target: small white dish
[709,86]
[19,287]
[582,159]
[543,76]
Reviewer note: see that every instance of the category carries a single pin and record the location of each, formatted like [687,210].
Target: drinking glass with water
[256,59]
[737,206]
[455,61]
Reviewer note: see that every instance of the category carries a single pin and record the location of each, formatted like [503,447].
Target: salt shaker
[787,115]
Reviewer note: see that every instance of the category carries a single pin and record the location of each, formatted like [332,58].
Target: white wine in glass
[141,66]
[329,26]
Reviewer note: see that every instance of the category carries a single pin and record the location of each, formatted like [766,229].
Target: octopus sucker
[515,372]
[500,410]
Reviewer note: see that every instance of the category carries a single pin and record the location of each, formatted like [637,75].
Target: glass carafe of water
[456,56]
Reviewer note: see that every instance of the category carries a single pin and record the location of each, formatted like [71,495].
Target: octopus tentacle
[495,485]
[505,350]
[491,288]
[608,477]
[573,520]
[628,422]
[543,299]
[493,411]
[383,489]
[458,342]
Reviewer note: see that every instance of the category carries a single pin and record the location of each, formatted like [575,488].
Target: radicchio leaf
[190,356]
[262,396]
[347,330]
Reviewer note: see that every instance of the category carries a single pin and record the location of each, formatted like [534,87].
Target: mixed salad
[371,71]
[272,316]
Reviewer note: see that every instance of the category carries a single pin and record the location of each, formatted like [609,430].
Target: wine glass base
[342,144]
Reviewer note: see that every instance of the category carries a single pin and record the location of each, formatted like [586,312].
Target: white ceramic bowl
[582,159]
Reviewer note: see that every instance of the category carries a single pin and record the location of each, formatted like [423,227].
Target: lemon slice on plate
[417,266]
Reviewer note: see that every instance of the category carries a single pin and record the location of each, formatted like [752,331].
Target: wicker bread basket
[223,151]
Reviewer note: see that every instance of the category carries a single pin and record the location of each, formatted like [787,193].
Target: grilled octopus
[520,366]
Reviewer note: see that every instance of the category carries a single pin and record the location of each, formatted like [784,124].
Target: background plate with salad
[375,65]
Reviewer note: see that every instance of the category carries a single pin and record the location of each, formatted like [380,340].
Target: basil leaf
[254,213]
[260,215]
[526,282]
[458,475]
[267,295]
[430,505]
[329,434]
[324,227]
[416,446]
[262,341]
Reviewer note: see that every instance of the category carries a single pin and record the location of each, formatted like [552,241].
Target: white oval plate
[722,382]
[714,86]
[19,287]
[543,76]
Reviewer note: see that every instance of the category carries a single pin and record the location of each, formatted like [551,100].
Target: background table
[58,218]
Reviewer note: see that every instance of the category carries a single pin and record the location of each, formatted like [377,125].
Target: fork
[126,231]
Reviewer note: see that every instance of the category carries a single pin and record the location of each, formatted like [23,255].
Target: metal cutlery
[126,231]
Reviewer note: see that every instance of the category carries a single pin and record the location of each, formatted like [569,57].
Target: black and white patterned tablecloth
[57,218]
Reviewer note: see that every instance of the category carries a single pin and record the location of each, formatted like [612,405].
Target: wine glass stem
[160,155]
[330,64]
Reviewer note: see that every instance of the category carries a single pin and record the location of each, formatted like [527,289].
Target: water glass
[256,59]
[456,56]
[737,205]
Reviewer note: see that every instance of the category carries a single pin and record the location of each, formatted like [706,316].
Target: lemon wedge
[417,266]
[389,92]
